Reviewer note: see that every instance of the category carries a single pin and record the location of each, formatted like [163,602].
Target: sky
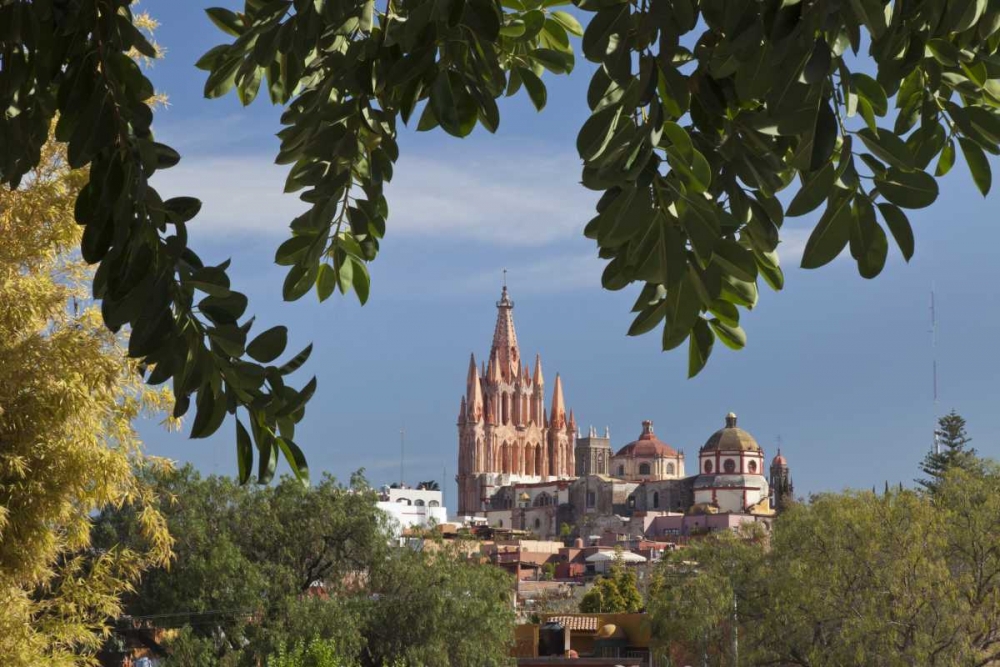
[837,369]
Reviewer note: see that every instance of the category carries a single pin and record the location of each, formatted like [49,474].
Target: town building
[412,508]
[524,468]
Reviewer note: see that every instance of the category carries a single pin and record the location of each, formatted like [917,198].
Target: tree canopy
[847,579]
[285,572]
[616,593]
[67,400]
[711,122]
[951,451]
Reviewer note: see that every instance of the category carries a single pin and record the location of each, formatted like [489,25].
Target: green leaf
[443,103]
[361,281]
[831,234]
[818,65]
[683,307]
[296,362]
[181,209]
[269,345]
[673,89]
[909,189]
[244,452]
[732,337]
[222,78]
[226,20]
[725,311]
[947,159]
[887,146]
[648,318]
[557,62]
[813,192]
[871,91]
[978,164]
[735,260]
[596,132]
[868,242]
[211,410]
[326,282]
[296,459]
[569,22]
[533,84]
[899,225]
[699,347]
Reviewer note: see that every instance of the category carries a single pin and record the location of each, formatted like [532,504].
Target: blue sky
[836,366]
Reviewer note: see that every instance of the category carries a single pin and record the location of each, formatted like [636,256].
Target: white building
[412,507]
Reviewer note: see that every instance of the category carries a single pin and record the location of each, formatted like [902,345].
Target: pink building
[505,435]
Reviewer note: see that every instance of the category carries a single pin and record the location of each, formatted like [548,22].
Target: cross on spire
[505,278]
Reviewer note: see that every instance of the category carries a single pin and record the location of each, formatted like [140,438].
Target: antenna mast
[937,446]
[402,448]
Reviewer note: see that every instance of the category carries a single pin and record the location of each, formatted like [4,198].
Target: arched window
[621,471]
[500,523]
[404,501]
[538,523]
[670,469]
[656,499]
[418,502]
[729,466]
[434,503]
[643,468]
[542,500]
[708,466]
[752,467]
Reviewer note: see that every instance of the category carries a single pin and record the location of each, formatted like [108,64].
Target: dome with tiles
[731,439]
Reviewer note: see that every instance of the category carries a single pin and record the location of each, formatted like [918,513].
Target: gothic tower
[593,453]
[781,483]
[504,433]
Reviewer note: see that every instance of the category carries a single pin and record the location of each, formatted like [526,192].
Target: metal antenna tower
[402,449]
[937,446]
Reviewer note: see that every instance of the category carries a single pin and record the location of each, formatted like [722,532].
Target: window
[418,502]
[631,502]
[643,468]
[404,501]
[591,498]
[656,499]
[708,466]
[670,468]
[434,503]
[500,523]
[752,467]
[538,523]
[729,466]
[621,471]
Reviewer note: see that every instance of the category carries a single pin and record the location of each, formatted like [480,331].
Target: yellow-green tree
[67,446]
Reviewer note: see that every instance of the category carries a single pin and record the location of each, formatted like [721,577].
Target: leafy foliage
[67,401]
[951,437]
[289,573]
[703,113]
[614,594]
[849,579]
[76,62]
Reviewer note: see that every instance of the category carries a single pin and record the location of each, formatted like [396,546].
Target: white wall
[403,516]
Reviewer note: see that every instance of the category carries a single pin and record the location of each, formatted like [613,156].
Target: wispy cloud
[522,201]
[553,274]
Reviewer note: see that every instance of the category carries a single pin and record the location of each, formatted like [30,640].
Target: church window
[631,502]
[621,471]
[670,468]
[418,502]
[708,466]
[591,498]
[644,469]
[729,466]
[538,524]
[500,523]
[656,499]
[404,501]
[752,467]
[434,503]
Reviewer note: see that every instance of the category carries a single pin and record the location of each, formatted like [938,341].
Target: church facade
[505,435]
[526,467]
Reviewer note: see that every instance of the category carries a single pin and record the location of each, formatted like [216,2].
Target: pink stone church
[504,434]
[523,467]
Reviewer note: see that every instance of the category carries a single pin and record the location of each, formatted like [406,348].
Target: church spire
[505,338]
[537,375]
[474,390]
[557,417]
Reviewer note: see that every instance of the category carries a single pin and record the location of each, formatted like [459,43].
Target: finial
[505,278]
[607,432]
[731,420]
[647,427]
